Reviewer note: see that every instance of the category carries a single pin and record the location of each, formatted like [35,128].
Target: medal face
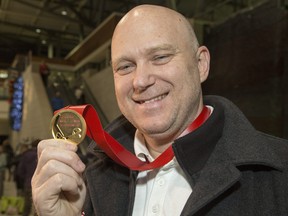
[68,125]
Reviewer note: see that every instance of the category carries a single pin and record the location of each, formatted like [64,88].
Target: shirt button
[161,182]
[155,209]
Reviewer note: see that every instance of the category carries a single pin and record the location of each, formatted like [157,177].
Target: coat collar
[228,137]
[229,142]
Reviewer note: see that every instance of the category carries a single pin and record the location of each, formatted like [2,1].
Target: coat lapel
[210,183]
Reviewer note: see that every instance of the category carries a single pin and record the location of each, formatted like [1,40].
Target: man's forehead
[146,51]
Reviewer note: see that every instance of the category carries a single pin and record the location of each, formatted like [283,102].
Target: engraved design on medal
[68,125]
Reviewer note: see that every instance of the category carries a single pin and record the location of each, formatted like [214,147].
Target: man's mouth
[158,98]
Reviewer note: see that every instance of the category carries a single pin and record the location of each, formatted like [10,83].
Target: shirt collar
[140,148]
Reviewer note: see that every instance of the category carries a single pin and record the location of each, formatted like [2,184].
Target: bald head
[160,20]
[158,69]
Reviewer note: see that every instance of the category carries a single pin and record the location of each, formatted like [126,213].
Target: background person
[8,149]
[3,163]
[79,95]
[57,101]
[225,167]
[18,177]
[25,169]
[44,71]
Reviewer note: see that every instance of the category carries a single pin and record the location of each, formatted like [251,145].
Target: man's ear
[203,57]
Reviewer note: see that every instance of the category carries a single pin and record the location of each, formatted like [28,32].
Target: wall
[37,112]
[4,117]
[101,85]
[247,65]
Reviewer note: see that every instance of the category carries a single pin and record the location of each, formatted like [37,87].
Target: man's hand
[57,185]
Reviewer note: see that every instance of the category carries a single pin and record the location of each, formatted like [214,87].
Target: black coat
[233,169]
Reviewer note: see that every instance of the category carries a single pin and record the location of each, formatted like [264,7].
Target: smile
[153,99]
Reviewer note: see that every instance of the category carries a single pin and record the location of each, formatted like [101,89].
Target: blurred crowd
[18,166]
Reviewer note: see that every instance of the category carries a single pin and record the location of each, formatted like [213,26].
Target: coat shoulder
[279,146]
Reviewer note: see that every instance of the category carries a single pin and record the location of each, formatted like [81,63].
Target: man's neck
[156,146]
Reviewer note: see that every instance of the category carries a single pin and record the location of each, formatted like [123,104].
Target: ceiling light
[3,74]
[64,12]
[38,30]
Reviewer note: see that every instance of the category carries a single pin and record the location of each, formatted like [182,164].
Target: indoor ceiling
[40,25]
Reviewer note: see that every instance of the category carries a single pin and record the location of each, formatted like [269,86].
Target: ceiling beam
[47,9]
[80,17]
[43,30]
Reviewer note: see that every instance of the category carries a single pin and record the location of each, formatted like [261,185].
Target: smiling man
[201,154]
[158,71]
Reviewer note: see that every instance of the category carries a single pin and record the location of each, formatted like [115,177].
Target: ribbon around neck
[116,151]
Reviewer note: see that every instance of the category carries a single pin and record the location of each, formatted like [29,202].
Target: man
[224,167]
[44,71]
[25,170]
[3,164]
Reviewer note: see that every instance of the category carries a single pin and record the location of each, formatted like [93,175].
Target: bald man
[218,164]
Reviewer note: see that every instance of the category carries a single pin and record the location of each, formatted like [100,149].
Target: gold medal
[68,125]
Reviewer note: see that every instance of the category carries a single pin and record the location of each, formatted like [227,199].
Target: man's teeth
[153,99]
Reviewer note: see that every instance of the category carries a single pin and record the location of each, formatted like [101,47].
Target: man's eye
[162,59]
[124,69]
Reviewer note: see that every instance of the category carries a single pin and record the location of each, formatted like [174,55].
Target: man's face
[156,76]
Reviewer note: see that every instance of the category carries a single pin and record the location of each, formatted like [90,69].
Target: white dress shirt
[162,191]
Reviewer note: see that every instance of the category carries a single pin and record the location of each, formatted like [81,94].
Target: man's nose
[143,77]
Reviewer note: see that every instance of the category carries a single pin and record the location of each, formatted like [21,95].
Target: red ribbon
[116,151]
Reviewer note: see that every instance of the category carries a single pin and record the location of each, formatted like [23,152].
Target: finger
[63,155]
[61,183]
[57,143]
[52,168]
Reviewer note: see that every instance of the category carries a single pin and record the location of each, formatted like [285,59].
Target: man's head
[158,68]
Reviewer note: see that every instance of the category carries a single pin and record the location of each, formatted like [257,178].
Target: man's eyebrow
[163,47]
